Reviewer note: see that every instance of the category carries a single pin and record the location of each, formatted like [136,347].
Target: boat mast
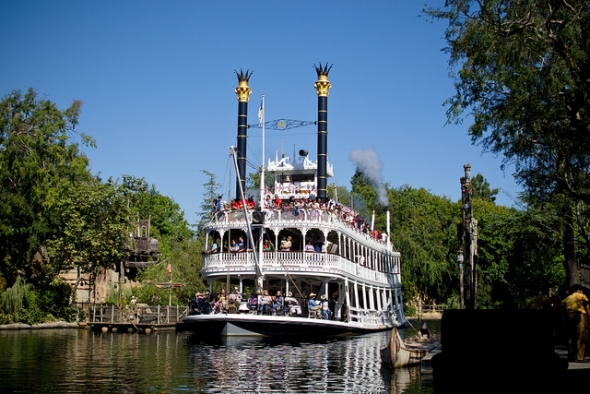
[245,210]
[261,119]
[259,276]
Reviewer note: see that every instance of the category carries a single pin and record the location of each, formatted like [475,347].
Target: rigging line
[252,164]
[225,176]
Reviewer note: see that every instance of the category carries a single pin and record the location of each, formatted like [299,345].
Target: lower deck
[275,326]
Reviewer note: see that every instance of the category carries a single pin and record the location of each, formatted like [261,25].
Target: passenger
[241,245]
[250,202]
[253,302]
[233,247]
[317,247]
[213,248]
[318,244]
[233,302]
[309,250]
[325,308]
[286,246]
[278,305]
[194,305]
[292,305]
[220,305]
[316,204]
[297,209]
[265,303]
[207,308]
[267,246]
[332,303]
[314,307]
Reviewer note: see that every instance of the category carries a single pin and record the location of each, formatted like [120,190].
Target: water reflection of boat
[401,353]
[316,246]
[400,380]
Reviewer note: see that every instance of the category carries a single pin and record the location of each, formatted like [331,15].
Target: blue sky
[157,81]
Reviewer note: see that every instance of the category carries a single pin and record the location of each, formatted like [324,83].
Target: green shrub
[5,319]
[73,314]
[13,299]
[410,310]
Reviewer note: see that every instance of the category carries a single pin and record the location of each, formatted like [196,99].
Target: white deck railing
[285,218]
[292,262]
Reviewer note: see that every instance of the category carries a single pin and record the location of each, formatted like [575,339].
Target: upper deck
[347,253]
[307,218]
[296,179]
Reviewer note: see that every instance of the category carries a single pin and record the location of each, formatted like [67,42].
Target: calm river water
[81,361]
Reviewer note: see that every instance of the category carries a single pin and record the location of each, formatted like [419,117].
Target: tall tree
[522,70]
[481,189]
[94,226]
[424,232]
[38,152]
[211,192]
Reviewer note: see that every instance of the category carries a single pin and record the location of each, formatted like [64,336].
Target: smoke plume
[367,160]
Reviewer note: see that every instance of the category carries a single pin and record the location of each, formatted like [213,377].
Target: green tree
[167,221]
[481,189]
[94,218]
[38,153]
[211,192]
[424,232]
[253,181]
[363,194]
[522,70]
[184,257]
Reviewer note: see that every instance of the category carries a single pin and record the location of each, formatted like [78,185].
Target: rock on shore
[22,326]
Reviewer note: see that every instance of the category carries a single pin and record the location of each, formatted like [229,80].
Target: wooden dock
[139,318]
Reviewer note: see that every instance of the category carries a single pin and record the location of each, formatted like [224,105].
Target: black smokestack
[243,91]
[322,87]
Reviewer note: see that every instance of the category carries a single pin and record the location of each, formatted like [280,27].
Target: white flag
[261,111]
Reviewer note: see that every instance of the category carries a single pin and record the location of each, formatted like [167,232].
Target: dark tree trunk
[569,254]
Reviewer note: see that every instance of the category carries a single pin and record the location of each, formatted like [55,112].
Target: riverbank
[22,326]
[427,316]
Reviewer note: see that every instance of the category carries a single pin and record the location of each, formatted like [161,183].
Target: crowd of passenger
[286,245]
[263,304]
[302,208]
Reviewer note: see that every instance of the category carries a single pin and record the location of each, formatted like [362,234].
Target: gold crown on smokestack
[243,90]
[322,85]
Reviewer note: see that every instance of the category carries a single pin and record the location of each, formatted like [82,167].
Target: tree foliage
[518,252]
[94,225]
[481,189]
[54,215]
[168,223]
[522,71]
[37,154]
[424,232]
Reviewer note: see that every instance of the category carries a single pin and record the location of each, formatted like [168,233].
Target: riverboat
[299,241]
